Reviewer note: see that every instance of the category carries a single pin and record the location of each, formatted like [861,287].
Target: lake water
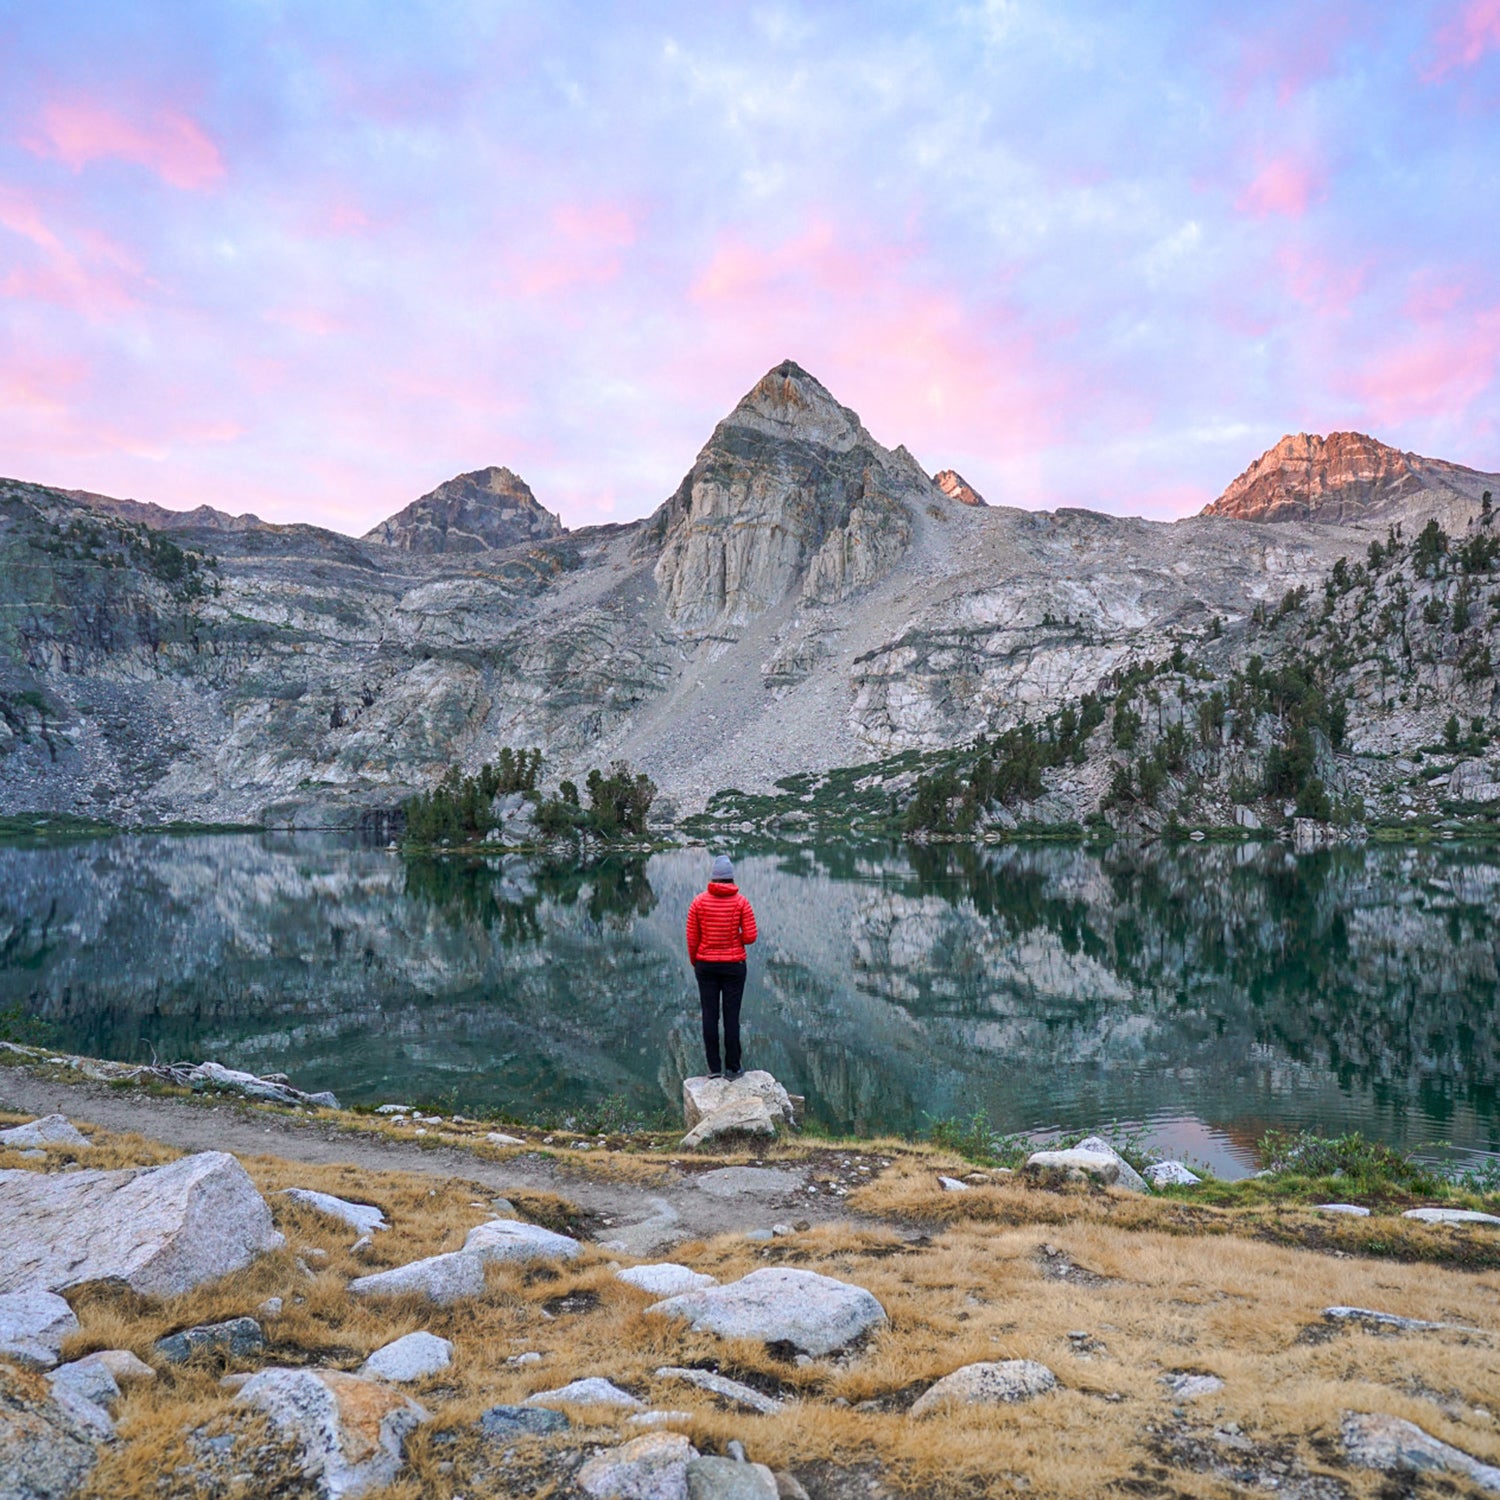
[1207,993]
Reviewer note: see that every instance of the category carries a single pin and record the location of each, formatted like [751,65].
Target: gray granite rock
[1189,1385]
[32,1327]
[46,1449]
[502,1423]
[729,1479]
[1097,1159]
[50,1130]
[88,1378]
[443,1279]
[1170,1174]
[665,1279]
[510,1239]
[351,1432]
[1352,1210]
[235,1337]
[735,1182]
[653,1467]
[1450,1216]
[702,1097]
[1369,1317]
[988,1384]
[1392,1445]
[159,1230]
[722,1386]
[747,1116]
[363,1218]
[813,1313]
[592,1391]
[126,1369]
[412,1357]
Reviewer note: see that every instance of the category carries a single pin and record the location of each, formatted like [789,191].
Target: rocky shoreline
[222,1325]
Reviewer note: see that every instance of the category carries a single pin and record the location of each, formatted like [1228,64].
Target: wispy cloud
[163,140]
[289,261]
[1466,39]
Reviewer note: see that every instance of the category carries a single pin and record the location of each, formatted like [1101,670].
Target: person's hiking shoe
[716,1074]
[734,1073]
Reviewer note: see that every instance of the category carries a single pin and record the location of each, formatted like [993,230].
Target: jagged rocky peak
[479,512]
[790,498]
[1338,478]
[956,487]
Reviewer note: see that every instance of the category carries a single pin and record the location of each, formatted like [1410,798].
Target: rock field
[930,1347]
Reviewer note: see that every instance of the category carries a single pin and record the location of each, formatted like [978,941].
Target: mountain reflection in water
[1209,992]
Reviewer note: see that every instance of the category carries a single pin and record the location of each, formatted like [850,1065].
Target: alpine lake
[1201,994]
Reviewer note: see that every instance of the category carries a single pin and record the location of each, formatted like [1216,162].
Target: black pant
[721,984]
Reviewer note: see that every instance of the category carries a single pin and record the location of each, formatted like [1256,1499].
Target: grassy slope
[1007,1270]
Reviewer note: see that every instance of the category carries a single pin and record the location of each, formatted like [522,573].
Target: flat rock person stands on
[720,926]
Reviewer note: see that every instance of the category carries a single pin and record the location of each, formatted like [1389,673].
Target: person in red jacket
[720,926]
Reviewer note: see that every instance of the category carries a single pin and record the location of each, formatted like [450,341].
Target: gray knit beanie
[723,869]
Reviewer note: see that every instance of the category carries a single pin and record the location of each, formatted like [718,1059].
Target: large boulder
[46,1450]
[702,1097]
[351,1433]
[594,1390]
[711,1478]
[814,1314]
[665,1279]
[443,1279]
[412,1357]
[1474,781]
[1393,1445]
[738,1117]
[32,1327]
[1095,1158]
[50,1130]
[987,1384]
[236,1338]
[510,1239]
[647,1468]
[159,1230]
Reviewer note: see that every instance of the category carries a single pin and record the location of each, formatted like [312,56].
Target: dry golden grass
[1157,1286]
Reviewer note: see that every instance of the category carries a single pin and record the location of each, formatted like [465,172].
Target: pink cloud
[1325,283]
[585,247]
[309,320]
[1464,41]
[168,143]
[1291,55]
[1439,369]
[38,382]
[92,283]
[922,364]
[1283,186]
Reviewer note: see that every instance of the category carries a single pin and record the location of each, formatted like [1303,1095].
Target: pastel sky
[311,260]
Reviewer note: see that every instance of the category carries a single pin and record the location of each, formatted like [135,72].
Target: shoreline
[1170,1343]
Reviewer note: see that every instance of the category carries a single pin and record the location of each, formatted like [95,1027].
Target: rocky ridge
[1346,476]
[806,599]
[484,511]
[956,487]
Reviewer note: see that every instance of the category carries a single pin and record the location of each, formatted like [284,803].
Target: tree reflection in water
[1048,983]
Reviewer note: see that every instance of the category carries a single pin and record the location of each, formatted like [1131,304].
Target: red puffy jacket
[720,924]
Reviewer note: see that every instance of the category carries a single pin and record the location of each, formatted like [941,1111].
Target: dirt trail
[644,1219]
